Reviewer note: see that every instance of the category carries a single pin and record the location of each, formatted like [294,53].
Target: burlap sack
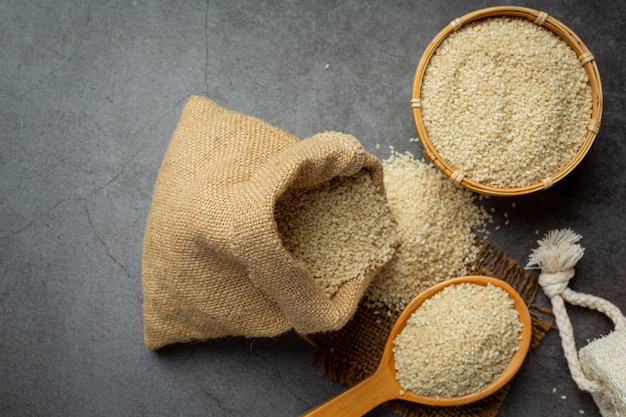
[213,262]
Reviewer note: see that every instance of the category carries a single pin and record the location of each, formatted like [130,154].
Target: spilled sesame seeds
[438,223]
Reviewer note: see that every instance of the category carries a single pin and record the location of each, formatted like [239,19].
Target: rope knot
[553,284]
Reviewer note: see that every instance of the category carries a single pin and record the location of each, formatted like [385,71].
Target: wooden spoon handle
[361,398]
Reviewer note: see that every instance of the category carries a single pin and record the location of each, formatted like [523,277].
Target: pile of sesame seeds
[457,341]
[438,223]
[505,101]
[340,230]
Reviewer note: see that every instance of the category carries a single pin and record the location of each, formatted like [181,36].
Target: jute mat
[353,352]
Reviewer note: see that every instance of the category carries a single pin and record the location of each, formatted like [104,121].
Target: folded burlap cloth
[213,262]
[352,353]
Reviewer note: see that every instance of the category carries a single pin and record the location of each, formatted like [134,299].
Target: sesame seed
[340,231]
[462,345]
[437,222]
[519,98]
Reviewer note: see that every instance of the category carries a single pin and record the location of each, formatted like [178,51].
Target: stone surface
[90,94]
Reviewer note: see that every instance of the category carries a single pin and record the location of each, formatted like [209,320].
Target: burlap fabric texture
[213,262]
[353,352]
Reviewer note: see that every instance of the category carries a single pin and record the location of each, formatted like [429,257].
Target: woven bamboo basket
[586,59]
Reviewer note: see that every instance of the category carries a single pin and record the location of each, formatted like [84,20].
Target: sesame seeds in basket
[507,100]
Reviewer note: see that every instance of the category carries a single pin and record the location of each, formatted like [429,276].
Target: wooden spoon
[382,385]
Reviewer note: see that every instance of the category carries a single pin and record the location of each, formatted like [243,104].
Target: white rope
[557,254]
[596,303]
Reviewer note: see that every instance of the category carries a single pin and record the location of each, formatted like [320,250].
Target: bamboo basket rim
[586,59]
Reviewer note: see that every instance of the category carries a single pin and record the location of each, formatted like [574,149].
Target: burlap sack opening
[213,262]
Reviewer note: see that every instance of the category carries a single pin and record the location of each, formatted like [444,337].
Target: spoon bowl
[382,385]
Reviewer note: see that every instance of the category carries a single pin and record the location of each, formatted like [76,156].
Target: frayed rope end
[558,251]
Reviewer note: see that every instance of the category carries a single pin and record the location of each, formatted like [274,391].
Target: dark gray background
[90,93]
